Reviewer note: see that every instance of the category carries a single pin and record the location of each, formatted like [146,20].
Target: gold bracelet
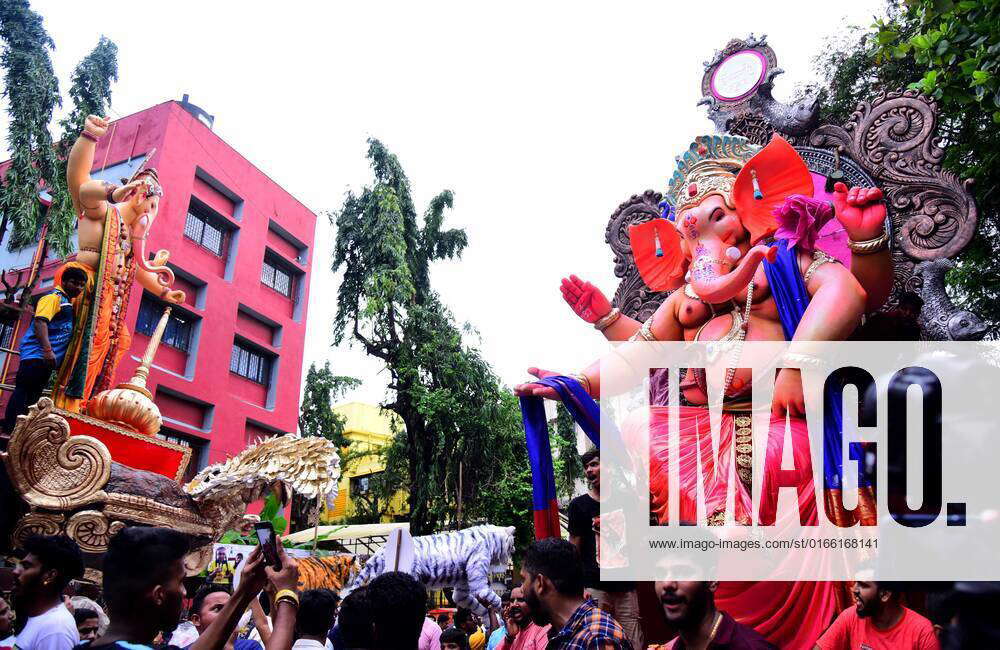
[869,246]
[608,319]
[286,594]
[582,378]
[803,360]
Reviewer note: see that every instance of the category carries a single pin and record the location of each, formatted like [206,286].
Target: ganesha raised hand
[860,210]
[585,299]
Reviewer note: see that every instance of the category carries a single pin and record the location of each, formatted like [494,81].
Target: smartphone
[268,544]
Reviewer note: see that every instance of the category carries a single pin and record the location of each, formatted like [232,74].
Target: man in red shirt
[879,622]
[522,632]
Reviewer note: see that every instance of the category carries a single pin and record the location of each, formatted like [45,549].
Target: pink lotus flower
[800,219]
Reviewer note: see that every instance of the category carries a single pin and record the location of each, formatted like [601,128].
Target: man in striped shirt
[552,574]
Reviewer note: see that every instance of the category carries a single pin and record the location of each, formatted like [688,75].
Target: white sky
[541,117]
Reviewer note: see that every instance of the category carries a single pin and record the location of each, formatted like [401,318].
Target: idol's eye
[718,214]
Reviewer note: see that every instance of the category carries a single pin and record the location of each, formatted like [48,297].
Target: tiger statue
[461,559]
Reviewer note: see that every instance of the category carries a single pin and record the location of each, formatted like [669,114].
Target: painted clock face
[738,75]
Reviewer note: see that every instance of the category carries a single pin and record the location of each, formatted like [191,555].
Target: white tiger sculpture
[461,559]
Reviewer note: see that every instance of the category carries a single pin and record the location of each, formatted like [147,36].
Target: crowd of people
[558,603]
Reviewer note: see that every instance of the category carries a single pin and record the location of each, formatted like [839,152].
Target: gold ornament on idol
[869,246]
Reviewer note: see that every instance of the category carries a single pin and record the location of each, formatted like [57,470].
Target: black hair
[895,588]
[508,594]
[557,560]
[355,620]
[456,636]
[83,614]
[590,455]
[74,272]
[203,592]
[462,616]
[397,606]
[138,558]
[443,617]
[317,609]
[57,552]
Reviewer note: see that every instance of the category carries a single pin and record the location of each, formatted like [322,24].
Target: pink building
[229,369]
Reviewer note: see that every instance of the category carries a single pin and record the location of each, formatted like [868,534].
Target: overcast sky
[541,117]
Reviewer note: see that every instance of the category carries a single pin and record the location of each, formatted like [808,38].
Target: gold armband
[582,378]
[869,246]
[645,332]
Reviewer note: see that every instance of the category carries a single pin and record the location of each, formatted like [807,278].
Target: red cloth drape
[790,614]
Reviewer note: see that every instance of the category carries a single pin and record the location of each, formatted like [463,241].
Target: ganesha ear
[766,180]
[656,248]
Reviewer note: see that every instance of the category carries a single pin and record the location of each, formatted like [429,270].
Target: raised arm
[862,213]
[285,609]
[251,581]
[664,326]
[89,196]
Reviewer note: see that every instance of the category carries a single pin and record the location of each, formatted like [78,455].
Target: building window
[7,333]
[250,363]
[197,447]
[205,228]
[276,275]
[179,326]
[362,484]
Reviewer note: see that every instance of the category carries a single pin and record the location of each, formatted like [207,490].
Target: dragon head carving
[310,466]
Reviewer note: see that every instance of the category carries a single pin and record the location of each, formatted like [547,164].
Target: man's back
[851,631]
[589,625]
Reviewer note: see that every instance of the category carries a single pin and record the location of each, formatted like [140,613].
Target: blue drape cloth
[586,413]
[791,297]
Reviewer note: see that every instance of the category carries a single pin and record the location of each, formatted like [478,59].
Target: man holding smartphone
[144,588]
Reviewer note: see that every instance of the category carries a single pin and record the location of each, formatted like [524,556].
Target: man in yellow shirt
[44,345]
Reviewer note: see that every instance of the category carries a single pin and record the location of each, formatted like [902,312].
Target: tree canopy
[464,451]
[951,52]
[316,414]
[32,90]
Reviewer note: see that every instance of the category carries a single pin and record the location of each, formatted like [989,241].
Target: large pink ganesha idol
[740,248]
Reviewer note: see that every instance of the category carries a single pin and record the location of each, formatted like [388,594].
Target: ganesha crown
[709,166]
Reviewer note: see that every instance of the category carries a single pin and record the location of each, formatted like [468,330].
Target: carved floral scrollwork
[893,138]
[92,530]
[35,523]
[632,296]
[52,469]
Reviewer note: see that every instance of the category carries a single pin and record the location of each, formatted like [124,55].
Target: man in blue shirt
[44,345]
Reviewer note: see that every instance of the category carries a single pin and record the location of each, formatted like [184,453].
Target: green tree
[32,92]
[566,461]
[950,51]
[90,91]
[317,418]
[462,428]
[316,414]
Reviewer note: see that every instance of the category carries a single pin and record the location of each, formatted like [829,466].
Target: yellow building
[369,428]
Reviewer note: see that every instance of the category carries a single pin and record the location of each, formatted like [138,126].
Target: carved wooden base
[70,485]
